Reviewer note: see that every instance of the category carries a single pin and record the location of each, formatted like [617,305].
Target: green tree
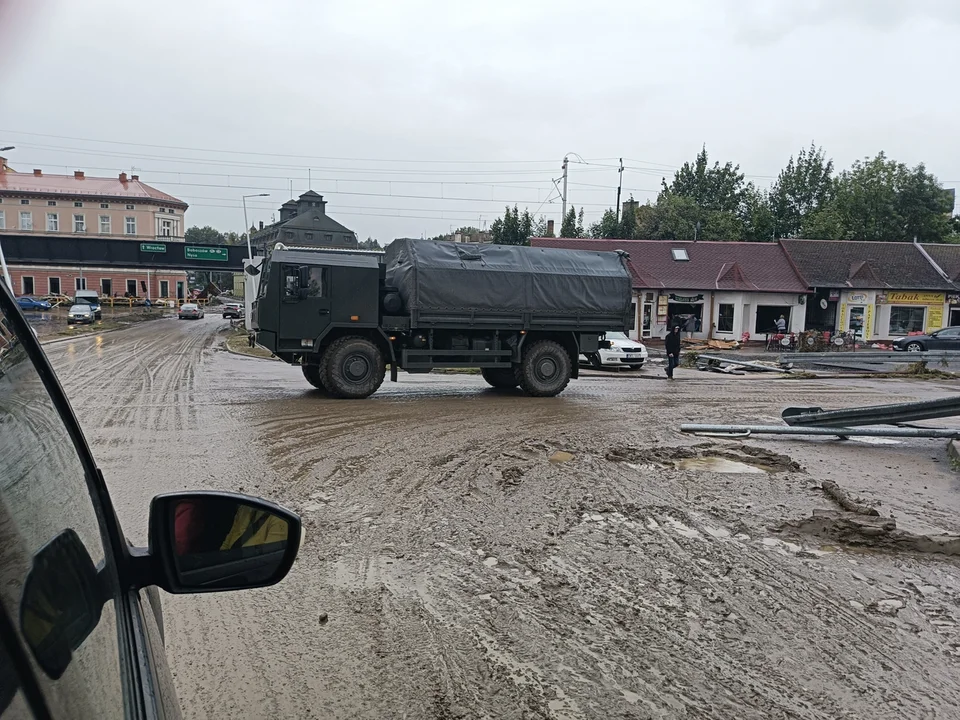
[607,227]
[205,235]
[759,219]
[714,189]
[541,229]
[369,244]
[881,199]
[804,186]
[514,228]
[572,226]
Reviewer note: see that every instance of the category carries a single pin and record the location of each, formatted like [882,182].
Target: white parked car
[81,313]
[623,352]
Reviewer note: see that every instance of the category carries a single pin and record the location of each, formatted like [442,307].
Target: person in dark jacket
[672,344]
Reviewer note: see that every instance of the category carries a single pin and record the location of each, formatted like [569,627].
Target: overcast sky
[417,115]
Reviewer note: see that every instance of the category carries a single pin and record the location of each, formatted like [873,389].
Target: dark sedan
[945,339]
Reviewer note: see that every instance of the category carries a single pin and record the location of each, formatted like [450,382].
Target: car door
[79,643]
[946,339]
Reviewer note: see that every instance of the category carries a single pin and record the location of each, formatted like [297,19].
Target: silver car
[191,311]
[81,313]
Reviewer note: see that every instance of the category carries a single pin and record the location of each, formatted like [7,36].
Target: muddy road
[479,554]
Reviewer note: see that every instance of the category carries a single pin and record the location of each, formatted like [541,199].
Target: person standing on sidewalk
[672,344]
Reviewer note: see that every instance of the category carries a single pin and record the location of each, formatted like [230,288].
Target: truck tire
[313,374]
[545,369]
[502,378]
[354,368]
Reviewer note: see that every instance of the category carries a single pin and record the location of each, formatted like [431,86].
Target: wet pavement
[477,553]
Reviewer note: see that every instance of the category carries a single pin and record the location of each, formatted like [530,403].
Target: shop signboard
[912,298]
[857,299]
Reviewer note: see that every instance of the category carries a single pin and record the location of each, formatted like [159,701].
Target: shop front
[857,313]
[900,313]
[738,313]
[685,310]
[953,313]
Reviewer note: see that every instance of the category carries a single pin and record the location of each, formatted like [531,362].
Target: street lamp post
[246,225]
[3,260]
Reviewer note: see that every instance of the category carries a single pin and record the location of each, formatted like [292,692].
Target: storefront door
[856,317]
[646,327]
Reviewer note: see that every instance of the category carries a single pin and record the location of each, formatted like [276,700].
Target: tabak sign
[911,298]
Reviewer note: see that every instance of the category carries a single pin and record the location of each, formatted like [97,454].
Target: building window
[164,288]
[725,319]
[80,283]
[105,224]
[3,221]
[106,287]
[79,223]
[130,207]
[27,285]
[53,285]
[679,253]
[26,221]
[130,225]
[104,206]
[166,228]
[131,288]
[52,203]
[288,234]
[24,202]
[53,222]
[78,204]
[328,238]
[905,320]
[308,237]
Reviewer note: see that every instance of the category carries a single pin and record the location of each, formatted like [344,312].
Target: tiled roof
[947,257]
[755,267]
[71,185]
[864,265]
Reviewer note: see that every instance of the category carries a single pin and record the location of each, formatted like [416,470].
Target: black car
[945,339]
[81,630]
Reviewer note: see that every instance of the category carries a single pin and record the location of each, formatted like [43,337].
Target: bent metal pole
[833,431]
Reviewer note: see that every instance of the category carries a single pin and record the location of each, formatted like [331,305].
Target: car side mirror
[216,541]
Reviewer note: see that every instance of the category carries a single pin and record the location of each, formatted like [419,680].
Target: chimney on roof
[37,172]
[549,228]
[134,177]
[123,177]
[78,174]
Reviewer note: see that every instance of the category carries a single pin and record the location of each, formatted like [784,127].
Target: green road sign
[206,253]
[153,248]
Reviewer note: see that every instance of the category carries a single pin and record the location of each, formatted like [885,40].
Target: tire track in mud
[450,570]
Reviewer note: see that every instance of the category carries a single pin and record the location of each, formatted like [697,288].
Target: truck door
[306,301]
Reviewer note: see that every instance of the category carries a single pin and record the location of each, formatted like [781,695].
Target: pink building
[82,207]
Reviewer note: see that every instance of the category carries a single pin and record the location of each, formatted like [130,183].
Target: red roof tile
[754,267]
[94,187]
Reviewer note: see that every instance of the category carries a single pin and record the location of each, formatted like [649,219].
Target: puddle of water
[718,465]
[561,456]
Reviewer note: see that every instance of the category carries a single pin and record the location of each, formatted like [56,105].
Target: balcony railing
[139,237]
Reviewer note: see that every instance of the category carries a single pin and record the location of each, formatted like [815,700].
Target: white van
[91,298]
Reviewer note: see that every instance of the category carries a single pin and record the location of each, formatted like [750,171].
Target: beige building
[77,205]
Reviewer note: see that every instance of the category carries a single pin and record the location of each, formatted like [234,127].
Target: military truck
[522,315]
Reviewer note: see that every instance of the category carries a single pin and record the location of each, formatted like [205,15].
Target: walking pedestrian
[690,325]
[672,344]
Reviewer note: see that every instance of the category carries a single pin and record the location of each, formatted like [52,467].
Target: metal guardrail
[746,430]
[867,356]
[891,414]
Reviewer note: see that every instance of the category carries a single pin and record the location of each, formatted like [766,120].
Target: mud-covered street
[473,553]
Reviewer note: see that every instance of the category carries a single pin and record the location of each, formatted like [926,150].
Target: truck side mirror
[215,541]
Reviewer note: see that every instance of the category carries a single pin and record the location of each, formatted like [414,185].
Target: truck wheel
[354,368]
[502,378]
[545,369]
[314,375]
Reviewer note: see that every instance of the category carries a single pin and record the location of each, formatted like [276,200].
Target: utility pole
[563,211]
[619,186]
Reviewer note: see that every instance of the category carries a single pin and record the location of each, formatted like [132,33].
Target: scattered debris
[843,499]
[841,432]
[866,531]
[685,457]
[561,456]
[758,365]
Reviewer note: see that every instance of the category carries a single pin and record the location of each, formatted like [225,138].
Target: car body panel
[81,313]
[947,338]
[623,352]
[30,303]
[189,310]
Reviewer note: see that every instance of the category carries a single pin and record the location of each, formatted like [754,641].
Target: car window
[57,583]
[951,332]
